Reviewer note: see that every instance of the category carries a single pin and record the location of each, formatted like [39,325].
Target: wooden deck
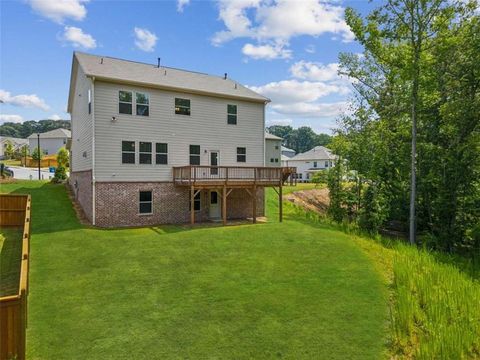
[231,176]
[226,178]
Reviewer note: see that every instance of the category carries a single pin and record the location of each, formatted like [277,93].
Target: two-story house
[154,145]
[50,141]
[273,153]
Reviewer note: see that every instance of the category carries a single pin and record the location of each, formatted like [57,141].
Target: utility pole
[39,155]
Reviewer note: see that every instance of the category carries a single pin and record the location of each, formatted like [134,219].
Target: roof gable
[317,153]
[59,133]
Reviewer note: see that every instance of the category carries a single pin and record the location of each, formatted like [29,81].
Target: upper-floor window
[182,106]
[145,202]
[145,152]
[194,154]
[326,164]
[89,101]
[142,104]
[161,153]
[241,154]
[128,152]
[314,164]
[276,147]
[232,114]
[125,102]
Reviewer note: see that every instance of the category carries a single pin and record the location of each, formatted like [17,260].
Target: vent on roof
[101,61]
[158,62]
[225,76]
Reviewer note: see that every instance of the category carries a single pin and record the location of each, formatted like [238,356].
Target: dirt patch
[316,200]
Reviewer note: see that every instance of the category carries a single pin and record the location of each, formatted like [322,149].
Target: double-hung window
[125,102]
[194,154]
[145,153]
[232,114]
[314,164]
[142,104]
[241,154]
[182,106]
[128,152]
[161,151]
[326,164]
[145,202]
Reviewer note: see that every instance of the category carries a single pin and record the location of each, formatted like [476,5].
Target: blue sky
[286,50]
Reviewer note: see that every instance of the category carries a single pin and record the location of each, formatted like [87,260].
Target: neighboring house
[154,145]
[317,159]
[50,141]
[272,150]
[17,143]
[288,152]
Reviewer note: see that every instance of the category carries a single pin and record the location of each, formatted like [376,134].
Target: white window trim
[134,152]
[124,102]
[148,97]
[143,152]
[174,106]
[236,114]
[159,153]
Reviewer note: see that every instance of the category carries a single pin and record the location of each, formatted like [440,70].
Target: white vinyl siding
[272,152]
[81,125]
[206,126]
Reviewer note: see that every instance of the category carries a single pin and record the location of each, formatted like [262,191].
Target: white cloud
[279,21]
[59,10]
[54,117]
[144,39]
[312,110]
[10,118]
[292,91]
[315,71]
[181,4]
[23,100]
[77,38]
[267,52]
[282,122]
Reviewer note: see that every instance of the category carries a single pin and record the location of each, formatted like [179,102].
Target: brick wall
[117,204]
[81,184]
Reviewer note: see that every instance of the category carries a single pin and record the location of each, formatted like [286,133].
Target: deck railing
[15,211]
[192,175]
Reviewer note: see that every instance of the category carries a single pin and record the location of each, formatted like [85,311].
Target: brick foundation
[117,204]
[81,184]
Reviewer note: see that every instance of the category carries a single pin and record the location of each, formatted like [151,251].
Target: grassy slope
[291,290]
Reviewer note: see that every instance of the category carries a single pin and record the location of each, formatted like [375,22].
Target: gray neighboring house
[289,153]
[272,150]
[50,141]
[317,159]
[16,142]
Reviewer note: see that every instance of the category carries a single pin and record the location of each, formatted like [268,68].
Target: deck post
[254,200]
[280,203]
[192,205]
[224,205]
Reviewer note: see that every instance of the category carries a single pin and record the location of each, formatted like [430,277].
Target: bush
[372,214]
[63,157]
[60,175]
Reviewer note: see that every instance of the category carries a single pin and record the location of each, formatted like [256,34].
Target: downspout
[93,151]
[264,130]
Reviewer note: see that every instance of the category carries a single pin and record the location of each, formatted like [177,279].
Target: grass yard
[291,290]
[10,259]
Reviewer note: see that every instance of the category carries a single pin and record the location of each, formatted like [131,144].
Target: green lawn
[291,290]
[10,259]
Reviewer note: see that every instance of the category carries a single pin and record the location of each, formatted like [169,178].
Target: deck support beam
[254,200]
[224,205]
[192,205]
[280,203]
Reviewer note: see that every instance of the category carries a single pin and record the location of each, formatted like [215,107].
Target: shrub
[60,175]
[63,157]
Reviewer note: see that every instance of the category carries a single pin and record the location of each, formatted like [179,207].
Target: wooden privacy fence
[15,210]
[47,161]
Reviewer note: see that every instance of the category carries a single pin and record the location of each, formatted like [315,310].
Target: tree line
[27,128]
[410,147]
[301,139]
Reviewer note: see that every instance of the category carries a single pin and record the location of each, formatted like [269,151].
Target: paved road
[30,173]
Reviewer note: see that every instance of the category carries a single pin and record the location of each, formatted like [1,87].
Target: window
[89,101]
[276,160]
[272,160]
[182,106]
[125,102]
[276,147]
[314,164]
[232,114]
[145,152]
[161,153]
[241,154]
[128,152]
[197,202]
[145,202]
[142,104]
[326,164]
[194,154]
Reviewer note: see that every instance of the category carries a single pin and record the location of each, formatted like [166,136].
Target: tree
[37,155]
[8,149]
[63,157]
[301,139]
